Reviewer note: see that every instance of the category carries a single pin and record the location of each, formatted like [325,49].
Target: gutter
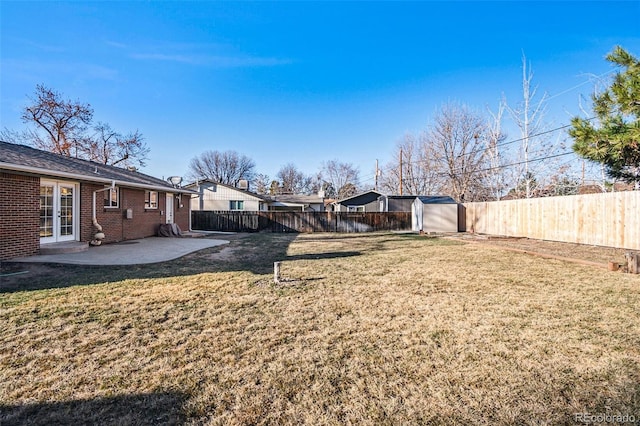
[88,178]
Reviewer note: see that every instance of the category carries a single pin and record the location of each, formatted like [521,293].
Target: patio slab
[132,252]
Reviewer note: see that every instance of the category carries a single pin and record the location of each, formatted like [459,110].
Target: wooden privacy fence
[608,219]
[231,221]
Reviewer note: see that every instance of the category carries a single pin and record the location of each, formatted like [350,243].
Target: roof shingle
[51,164]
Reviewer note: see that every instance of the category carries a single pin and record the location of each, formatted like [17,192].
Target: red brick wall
[182,214]
[109,219]
[114,224]
[19,215]
[145,222]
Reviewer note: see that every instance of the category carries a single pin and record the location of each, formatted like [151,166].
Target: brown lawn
[365,329]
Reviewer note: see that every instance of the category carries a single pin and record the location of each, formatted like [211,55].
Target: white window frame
[236,205]
[109,198]
[149,203]
[355,209]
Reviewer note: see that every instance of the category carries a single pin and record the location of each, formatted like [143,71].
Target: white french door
[58,211]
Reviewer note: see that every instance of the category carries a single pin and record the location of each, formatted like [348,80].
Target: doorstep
[64,247]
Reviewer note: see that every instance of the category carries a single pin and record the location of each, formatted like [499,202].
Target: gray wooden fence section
[608,219]
[299,221]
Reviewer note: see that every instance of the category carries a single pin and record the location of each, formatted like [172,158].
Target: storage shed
[434,214]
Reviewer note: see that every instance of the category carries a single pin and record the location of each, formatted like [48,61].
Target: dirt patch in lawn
[578,252]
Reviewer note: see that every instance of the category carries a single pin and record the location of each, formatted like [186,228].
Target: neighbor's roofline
[225,185]
[358,195]
[77,176]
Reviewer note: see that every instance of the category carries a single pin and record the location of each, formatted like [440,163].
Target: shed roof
[24,159]
[435,199]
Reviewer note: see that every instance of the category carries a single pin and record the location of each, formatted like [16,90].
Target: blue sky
[300,82]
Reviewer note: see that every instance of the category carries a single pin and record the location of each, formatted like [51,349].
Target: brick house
[46,198]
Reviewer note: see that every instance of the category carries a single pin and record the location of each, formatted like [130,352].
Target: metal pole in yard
[276,272]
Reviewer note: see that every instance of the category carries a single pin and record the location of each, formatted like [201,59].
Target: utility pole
[377,174]
[400,171]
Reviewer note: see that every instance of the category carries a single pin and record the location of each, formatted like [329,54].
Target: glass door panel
[57,211]
[65,212]
[46,211]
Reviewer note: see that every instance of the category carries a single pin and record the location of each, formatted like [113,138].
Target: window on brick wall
[150,199]
[111,198]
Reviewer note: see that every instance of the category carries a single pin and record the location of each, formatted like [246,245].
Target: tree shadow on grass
[253,253]
[139,409]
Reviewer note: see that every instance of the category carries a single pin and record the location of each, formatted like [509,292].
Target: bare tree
[293,181]
[110,147]
[61,126]
[261,183]
[528,116]
[459,135]
[422,172]
[496,179]
[224,167]
[344,178]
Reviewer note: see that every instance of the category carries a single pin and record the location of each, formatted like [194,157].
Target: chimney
[243,184]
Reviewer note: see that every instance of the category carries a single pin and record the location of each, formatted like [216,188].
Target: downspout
[99,236]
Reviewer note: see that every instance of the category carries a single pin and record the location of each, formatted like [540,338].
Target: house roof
[244,191]
[24,159]
[298,199]
[400,197]
[436,199]
[363,197]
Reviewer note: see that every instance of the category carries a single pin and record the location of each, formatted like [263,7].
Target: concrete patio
[132,252]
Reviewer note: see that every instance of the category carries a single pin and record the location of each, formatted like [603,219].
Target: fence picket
[266,221]
[607,219]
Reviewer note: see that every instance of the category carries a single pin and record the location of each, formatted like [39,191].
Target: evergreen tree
[615,140]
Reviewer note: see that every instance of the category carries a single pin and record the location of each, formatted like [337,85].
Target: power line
[579,85]
[488,148]
[503,166]
[378,171]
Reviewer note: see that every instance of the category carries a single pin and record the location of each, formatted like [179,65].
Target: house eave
[95,179]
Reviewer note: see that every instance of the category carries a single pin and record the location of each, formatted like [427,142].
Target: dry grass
[368,329]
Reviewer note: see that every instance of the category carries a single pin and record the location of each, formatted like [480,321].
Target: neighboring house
[212,195]
[305,203]
[49,198]
[363,202]
[434,214]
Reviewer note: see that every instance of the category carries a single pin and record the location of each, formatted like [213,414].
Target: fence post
[633,262]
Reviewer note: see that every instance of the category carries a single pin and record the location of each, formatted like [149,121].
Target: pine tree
[615,140]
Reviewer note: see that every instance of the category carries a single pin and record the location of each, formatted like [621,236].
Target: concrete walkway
[133,252]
